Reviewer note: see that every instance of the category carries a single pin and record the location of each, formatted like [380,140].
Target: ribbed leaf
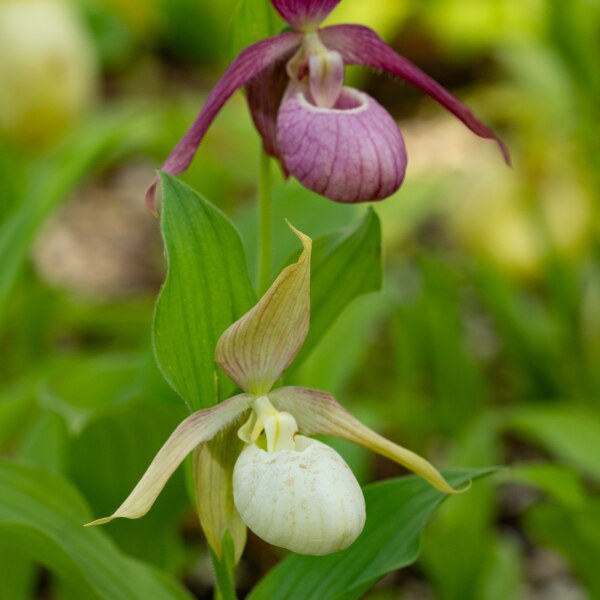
[207,288]
[43,516]
[397,511]
[345,266]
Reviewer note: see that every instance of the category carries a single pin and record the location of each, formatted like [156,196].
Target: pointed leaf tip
[257,348]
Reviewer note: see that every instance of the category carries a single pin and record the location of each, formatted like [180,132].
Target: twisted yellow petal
[319,413]
[199,427]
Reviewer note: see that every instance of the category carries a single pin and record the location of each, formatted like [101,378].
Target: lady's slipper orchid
[292,491]
[337,141]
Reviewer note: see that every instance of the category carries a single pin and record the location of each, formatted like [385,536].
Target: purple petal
[264,94]
[248,64]
[362,46]
[304,14]
[351,153]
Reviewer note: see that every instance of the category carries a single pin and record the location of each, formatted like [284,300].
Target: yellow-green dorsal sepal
[257,348]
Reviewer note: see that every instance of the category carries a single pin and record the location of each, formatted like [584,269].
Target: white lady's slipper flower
[292,491]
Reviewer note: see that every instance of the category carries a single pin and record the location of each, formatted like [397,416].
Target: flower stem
[224,573]
[265,225]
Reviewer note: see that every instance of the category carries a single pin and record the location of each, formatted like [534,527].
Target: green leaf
[561,483]
[467,524]
[342,350]
[43,515]
[224,569]
[571,433]
[345,265]
[503,575]
[576,534]
[397,511]
[107,460]
[207,288]
[15,407]
[20,585]
[86,388]
[253,20]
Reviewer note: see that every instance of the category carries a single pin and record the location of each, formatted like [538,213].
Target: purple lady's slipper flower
[337,141]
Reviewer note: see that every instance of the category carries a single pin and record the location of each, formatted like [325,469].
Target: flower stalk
[265,221]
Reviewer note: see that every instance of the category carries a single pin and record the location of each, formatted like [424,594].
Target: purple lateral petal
[248,64]
[264,94]
[351,153]
[303,14]
[362,46]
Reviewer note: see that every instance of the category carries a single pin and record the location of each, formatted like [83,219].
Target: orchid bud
[305,499]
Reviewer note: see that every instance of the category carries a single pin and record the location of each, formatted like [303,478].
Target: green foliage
[461,356]
[572,434]
[344,266]
[253,20]
[207,288]
[42,514]
[389,541]
[574,533]
[51,180]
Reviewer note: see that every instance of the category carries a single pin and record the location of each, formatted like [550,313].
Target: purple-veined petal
[257,348]
[199,427]
[248,64]
[304,15]
[362,46]
[353,152]
[318,413]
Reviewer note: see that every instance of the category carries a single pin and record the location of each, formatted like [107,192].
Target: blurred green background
[482,349]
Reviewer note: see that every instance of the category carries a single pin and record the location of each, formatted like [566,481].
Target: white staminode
[299,493]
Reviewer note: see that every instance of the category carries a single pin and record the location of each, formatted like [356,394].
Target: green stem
[265,225]
[224,573]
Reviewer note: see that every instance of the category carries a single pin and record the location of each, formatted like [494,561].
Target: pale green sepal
[257,348]
[319,413]
[213,484]
[199,427]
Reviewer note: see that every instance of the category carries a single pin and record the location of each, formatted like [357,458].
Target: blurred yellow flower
[47,69]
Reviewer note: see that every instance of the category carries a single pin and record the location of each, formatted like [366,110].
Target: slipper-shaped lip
[353,152]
